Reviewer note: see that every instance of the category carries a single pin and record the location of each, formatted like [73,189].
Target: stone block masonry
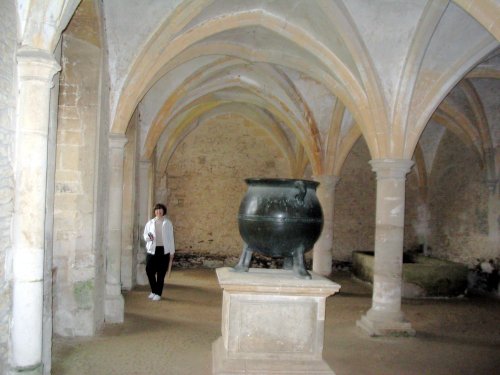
[272,323]
[205,181]
[74,257]
[7,108]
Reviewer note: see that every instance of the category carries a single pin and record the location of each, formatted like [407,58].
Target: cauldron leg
[299,268]
[245,258]
[288,263]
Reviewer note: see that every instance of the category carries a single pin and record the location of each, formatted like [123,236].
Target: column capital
[117,141]
[391,168]
[36,65]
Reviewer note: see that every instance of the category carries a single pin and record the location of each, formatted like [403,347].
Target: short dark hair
[159,206]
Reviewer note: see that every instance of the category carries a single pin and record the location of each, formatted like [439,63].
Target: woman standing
[159,236]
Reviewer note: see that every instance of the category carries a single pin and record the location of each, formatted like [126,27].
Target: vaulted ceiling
[315,75]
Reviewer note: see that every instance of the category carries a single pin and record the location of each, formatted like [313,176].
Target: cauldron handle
[301,186]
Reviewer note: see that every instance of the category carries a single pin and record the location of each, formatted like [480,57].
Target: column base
[114,309]
[33,370]
[385,327]
[222,364]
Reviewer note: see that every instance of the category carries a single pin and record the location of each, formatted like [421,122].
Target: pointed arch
[373,118]
[441,87]
[182,126]
[272,57]
[145,70]
[304,131]
[427,25]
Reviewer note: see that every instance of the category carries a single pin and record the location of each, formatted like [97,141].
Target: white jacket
[167,234]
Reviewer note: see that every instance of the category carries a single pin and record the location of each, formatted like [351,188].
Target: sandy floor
[174,336]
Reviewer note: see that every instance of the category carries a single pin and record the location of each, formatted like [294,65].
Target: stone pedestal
[272,323]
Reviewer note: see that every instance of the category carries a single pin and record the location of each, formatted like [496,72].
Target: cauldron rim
[280,182]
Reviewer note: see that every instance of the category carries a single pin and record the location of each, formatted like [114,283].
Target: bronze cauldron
[279,218]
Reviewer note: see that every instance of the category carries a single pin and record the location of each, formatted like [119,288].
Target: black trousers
[156,269]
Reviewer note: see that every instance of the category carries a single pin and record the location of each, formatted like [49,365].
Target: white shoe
[151,295]
[156,297]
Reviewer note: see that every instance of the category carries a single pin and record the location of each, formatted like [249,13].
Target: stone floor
[174,336]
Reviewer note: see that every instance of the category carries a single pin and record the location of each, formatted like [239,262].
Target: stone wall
[101,182]
[355,204]
[204,187]
[74,210]
[205,180]
[458,201]
[7,113]
[355,194]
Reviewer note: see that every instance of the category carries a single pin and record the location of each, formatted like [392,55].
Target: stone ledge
[274,282]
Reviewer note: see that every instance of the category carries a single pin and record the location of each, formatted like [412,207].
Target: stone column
[322,252]
[130,170]
[385,316]
[145,206]
[114,304]
[36,69]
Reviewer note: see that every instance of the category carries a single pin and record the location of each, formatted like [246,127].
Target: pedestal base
[272,323]
[222,364]
[385,328]
[35,370]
